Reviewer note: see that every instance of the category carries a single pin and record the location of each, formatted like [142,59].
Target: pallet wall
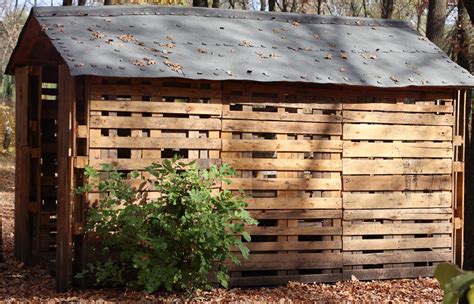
[397,163]
[343,182]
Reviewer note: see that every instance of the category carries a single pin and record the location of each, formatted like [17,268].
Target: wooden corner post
[64,249]
[22,171]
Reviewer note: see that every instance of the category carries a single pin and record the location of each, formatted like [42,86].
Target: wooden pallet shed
[347,133]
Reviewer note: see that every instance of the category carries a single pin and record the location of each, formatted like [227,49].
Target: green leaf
[445,272]
[244,250]
[246,236]
[470,294]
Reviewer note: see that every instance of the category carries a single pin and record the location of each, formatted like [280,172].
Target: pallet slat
[396,200]
[284,184]
[396,132]
[397,118]
[281,127]
[397,183]
[166,123]
[397,166]
[256,145]
[157,107]
[411,150]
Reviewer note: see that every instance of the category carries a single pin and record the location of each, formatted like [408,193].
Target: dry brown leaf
[246,43]
[176,67]
[126,38]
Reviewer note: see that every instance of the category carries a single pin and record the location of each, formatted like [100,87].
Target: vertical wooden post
[66,108]
[22,231]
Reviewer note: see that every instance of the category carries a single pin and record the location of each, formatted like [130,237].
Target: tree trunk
[465,59]
[263,5]
[67,2]
[81,2]
[364,5]
[271,5]
[469,5]
[200,3]
[387,9]
[108,2]
[436,20]
[215,3]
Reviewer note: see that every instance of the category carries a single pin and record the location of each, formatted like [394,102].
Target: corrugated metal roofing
[196,43]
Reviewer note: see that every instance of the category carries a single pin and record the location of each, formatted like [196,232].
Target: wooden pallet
[397,163]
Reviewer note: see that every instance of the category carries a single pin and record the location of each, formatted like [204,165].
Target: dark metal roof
[197,43]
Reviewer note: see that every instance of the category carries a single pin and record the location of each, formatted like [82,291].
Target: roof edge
[124,10]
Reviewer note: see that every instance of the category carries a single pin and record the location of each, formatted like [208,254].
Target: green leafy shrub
[455,283]
[174,241]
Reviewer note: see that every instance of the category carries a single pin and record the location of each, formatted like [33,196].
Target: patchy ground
[34,285]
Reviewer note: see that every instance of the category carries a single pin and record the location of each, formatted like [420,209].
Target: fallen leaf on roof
[149,61]
[202,51]
[176,67]
[294,23]
[344,55]
[328,56]
[372,56]
[97,35]
[246,43]
[168,45]
[137,62]
[126,38]
[394,79]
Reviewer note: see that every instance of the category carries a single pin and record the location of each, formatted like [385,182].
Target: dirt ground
[33,285]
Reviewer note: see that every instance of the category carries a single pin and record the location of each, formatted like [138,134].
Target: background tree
[387,9]
[436,21]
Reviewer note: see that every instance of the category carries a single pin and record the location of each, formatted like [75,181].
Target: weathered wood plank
[397,118]
[141,163]
[396,200]
[152,90]
[284,164]
[395,228]
[100,122]
[397,183]
[281,127]
[397,257]
[155,143]
[390,273]
[66,110]
[294,203]
[296,214]
[397,166]
[284,184]
[293,261]
[284,279]
[333,146]
[399,214]
[398,107]
[396,132]
[394,244]
[307,230]
[413,150]
[293,246]
[157,107]
[22,163]
[281,116]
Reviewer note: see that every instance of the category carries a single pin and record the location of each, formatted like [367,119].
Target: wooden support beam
[22,173]
[66,107]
